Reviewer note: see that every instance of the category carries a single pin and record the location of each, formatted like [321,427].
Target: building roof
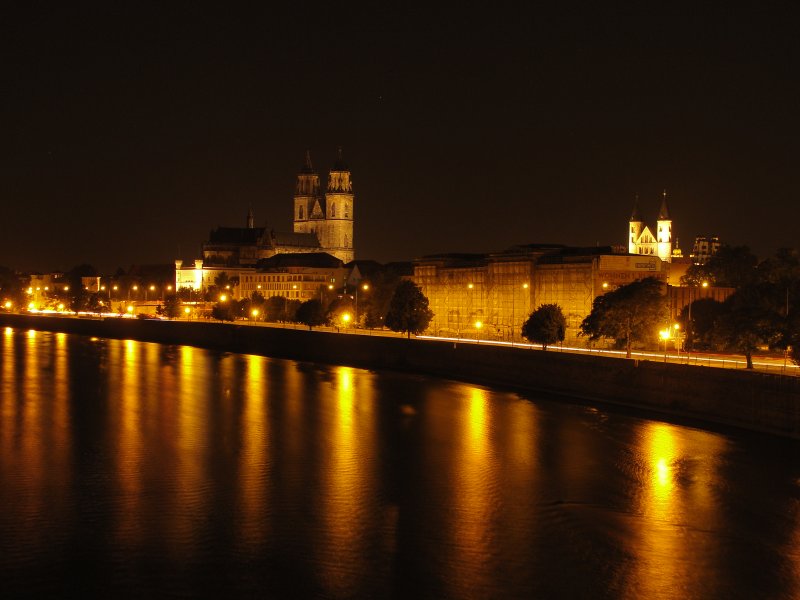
[319,260]
[636,216]
[236,235]
[339,165]
[663,214]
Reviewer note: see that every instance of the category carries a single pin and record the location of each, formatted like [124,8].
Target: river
[132,469]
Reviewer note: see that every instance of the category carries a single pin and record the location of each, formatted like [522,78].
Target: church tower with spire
[641,239]
[664,231]
[329,217]
[636,227]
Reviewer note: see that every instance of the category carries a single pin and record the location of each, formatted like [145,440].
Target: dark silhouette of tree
[632,312]
[374,304]
[170,308]
[730,266]
[700,331]
[226,311]
[339,307]
[546,325]
[408,310]
[12,288]
[747,322]
[311,313]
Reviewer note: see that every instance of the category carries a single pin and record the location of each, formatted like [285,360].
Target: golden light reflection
[679,473]
[255,462]
[347,476]
[472,494]
[129,437]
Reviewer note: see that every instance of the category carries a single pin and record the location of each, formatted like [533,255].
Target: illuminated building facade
[641,239]
[491,295]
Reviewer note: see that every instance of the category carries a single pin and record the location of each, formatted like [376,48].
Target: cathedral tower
[329,217]
[664,231]
[307,199]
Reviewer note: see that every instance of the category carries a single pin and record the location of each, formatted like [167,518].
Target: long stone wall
[756,401]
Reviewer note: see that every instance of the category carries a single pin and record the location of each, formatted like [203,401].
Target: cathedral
[641,239]
[322,223]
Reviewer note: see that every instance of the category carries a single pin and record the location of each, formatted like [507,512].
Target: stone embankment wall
[756,401]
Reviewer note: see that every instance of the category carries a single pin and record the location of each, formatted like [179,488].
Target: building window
[300,213]
[346,211]
[333,209]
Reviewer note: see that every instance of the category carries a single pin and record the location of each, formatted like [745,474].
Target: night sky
[129,132]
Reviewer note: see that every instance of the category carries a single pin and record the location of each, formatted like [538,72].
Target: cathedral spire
[250,222]
[307,167]
[663,214]
[339,165]
[636,216]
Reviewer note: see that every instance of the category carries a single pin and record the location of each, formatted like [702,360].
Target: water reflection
[680,474]
[181,472]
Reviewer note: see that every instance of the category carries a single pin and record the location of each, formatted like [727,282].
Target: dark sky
[129,132]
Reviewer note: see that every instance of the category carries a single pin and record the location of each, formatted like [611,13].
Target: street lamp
[665,335]
[254,313]
[478,325]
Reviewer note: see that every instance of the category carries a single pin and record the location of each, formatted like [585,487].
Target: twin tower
[329,217]
[642,241]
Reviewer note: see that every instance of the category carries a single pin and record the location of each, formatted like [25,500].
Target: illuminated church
[322,223]
[641,239]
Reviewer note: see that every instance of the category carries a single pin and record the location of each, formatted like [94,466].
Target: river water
[131,469]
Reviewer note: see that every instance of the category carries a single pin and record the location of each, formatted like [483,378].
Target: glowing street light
[223,298]
[7,305]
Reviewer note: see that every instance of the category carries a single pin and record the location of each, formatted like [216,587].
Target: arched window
[300,213]
[333,210]
[346,211]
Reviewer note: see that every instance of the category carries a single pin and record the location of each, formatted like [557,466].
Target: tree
[730,266]
[226,311]
[748,321]
[632,312]
[546,325]
[408,310]
[311,313]
[171,308]
[699,332]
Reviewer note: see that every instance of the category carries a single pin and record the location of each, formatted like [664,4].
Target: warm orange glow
[103,288]
[346,317]
[365,287]
[60,306]
[665,334]
[115,288]
[7,304]
[470,286]
[254,312]
[187,310]
[524,286]
[169,287]
[152,288]
[66,288]
[135,288]
[46,288]
[31,306]
[130,308]
[705,284]
[478,324]
[330,287]
[223,298]
[605,285]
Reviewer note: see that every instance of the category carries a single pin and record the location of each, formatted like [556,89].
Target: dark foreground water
[134,469]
